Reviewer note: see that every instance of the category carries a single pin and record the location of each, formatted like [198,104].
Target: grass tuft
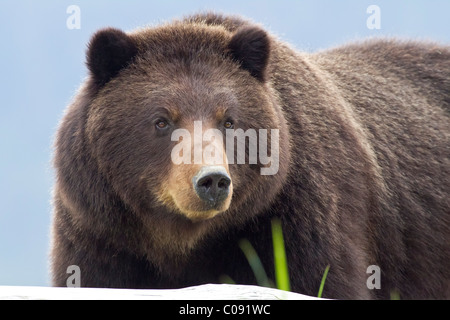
[255,263]
[322,283]
[279,253]
[280,262]
[395,295]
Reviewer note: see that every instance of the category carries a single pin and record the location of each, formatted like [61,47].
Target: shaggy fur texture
[364,161]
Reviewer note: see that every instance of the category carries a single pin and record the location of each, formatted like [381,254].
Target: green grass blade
[279,252]
[395,295]
[224,278]
[322,283]
[255,263]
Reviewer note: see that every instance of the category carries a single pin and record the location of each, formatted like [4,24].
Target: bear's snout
[212,185]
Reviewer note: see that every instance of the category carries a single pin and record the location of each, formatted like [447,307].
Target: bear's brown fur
[363,173]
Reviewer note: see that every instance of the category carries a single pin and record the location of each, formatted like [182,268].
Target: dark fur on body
[364,162]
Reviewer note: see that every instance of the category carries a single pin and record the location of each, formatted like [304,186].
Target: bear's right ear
[108,52]
[250,46]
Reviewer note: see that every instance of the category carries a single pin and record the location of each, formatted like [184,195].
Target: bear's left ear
[250,46]
[109,51]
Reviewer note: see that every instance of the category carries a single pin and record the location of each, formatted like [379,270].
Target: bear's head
[184,124]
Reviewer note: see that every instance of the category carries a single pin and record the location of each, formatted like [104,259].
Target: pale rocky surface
[203,292]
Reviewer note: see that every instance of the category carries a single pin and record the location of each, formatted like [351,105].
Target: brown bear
[362,154]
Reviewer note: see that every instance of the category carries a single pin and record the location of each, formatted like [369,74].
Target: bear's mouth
[197,216]
[189,205]
[201,210]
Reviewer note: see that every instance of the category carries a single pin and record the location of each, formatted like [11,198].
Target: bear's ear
[108,52]
[250,46]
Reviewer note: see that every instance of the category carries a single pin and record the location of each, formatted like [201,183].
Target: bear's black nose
[212,184]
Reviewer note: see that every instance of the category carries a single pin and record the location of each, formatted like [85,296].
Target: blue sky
[42,65]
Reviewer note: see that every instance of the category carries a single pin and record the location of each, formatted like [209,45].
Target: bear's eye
[161,124]
[228,124]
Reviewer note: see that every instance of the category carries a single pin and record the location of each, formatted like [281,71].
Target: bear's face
[166,106]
